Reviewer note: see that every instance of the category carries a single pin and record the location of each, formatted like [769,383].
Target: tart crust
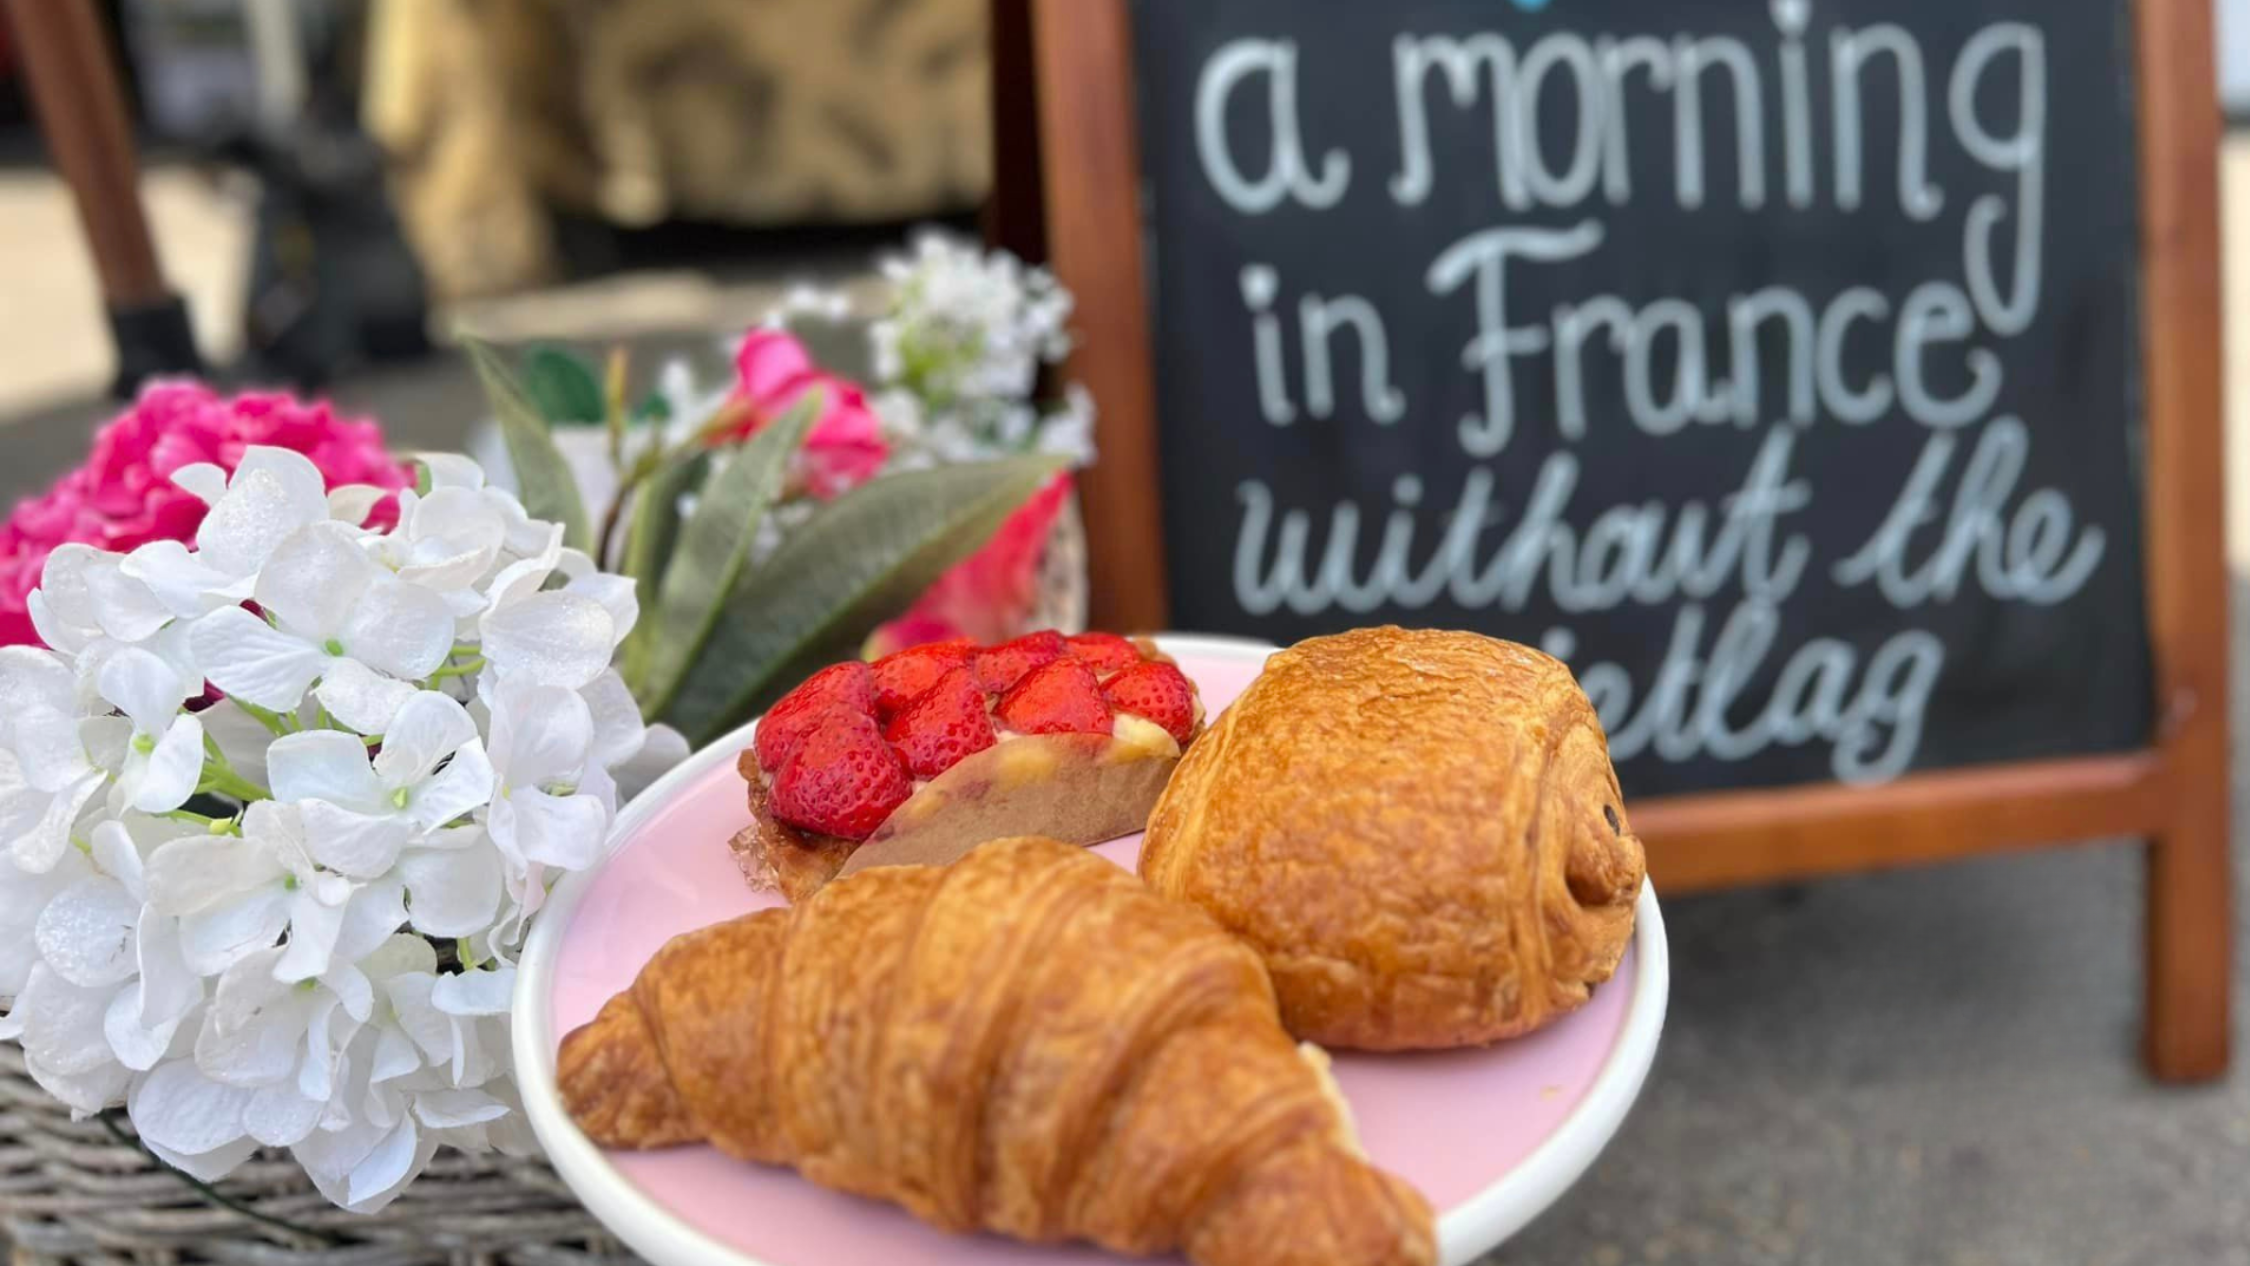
[1079,788]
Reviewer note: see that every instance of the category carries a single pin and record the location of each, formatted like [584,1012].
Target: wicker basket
[1061,603]
[82,1193]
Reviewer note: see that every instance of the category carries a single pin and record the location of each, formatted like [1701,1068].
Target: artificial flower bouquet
[307,732]
[727,505]
[251,786]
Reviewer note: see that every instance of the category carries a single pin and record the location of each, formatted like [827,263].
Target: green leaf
[563,387]
[652,408]
[715,543]
[860,560]
[650,536]
[543,478]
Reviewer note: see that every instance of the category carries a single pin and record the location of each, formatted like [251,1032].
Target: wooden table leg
[81,107]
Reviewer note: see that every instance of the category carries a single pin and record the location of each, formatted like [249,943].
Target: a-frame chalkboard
[1875,427]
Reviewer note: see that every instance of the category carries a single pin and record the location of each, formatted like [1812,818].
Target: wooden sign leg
[2190,943]
[2190,883]
[1091,172]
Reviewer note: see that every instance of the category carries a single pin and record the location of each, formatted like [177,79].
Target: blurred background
[331,185]
[1933,1067]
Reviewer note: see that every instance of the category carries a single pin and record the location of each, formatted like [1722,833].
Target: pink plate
[1491,1136]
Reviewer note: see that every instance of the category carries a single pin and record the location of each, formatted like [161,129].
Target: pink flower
[845,447]
[989,595]
[124,495]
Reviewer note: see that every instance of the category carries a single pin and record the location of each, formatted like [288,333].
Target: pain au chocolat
[1419,831]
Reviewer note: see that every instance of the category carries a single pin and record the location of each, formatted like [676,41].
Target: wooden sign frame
[1069,191]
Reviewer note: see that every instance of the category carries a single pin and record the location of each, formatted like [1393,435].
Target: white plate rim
[1475,1227]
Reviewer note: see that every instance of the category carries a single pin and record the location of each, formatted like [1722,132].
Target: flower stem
[272,721]
[728,416]
[613,400]
[219,777]
[211,1193]
[451,669]
[610,519]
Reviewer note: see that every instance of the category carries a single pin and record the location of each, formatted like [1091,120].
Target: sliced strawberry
[847,687]
[1157,691]
[1000,667]
[841,778]
[947,722]
[902,676]
[1105,653]
[1060,698]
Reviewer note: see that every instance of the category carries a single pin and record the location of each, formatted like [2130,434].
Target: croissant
[1420,831]
[1027,1041]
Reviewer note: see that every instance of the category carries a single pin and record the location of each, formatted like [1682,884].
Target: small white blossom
[958,354]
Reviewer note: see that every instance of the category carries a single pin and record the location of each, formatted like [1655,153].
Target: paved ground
[1932,1068]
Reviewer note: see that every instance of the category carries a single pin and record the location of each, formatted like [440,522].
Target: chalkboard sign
[1773,367]
[1832,383]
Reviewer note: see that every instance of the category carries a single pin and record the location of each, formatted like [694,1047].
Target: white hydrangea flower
[428,1071]
[559,637]
[632,752]
[522,605]
[272,493]
[86,596]
[235,896]
[164,751]
[48,774]
[337,617]
[525,535]
[190,1120]
[24,897]
[458,1019]
[360,812]
[550,807]
[236,942]
[109,991]
[264,1031]
[454,879]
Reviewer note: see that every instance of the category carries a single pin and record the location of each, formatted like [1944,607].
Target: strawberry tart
[922,755]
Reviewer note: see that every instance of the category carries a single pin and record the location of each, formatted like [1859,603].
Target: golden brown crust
[1420,832]
[1027,1041]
